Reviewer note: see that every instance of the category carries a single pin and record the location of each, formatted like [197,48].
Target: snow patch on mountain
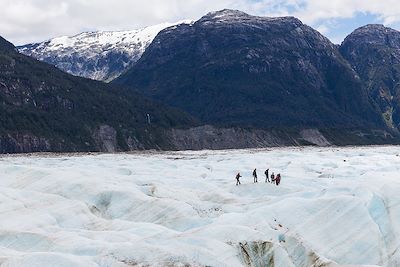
[101,55]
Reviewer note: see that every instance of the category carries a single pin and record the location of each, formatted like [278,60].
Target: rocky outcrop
[288,252]
[314,136]
[105,138]
[209,137]
[24,143]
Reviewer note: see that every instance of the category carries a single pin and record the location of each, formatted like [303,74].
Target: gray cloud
[24,21]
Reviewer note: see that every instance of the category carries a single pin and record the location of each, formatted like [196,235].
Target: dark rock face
[24,143]
[374,53]
[211,137]
[233,69]
[45,109]
[106,138]
[6,46]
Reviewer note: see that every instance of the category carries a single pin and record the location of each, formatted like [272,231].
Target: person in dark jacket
[266,176]
[255,176]
[237,178]
[273,178]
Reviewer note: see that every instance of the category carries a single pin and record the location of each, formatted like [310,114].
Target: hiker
[278,179]
[273,178]
[266,176]
[255,176]
[237,178]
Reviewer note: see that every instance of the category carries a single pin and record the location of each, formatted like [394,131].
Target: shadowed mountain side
[374,52]
[45,109]
[233,69]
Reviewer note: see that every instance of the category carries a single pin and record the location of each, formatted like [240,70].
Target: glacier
[98,55]
[334,207]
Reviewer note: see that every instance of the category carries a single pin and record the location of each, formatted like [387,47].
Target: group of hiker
[268,179]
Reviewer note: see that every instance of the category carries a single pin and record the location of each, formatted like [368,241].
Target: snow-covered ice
[99,55]
[334,207]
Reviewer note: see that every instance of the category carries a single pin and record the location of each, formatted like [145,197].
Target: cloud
[315,10]
[24,21]
[33,20]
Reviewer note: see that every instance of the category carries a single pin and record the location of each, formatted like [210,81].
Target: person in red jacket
[278,179]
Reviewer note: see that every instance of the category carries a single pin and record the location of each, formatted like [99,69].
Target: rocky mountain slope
[233,69]
[45,109]
[246,81]
[374,53]
[97,55]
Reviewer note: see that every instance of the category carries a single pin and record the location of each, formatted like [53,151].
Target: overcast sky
[25,21]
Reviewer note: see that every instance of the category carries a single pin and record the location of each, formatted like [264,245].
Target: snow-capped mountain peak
[100,55]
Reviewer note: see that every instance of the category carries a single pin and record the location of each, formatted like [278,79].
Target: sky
[26,21]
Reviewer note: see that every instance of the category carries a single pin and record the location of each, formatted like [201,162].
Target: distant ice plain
[334,207]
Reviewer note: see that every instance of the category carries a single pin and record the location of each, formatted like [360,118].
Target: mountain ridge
[45,109]
[98,55]
[374,52]
[249,81]
[231,68]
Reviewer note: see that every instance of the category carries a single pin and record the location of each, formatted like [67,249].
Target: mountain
[374,53]
[45,109]
[101,55]
[233,69]
[6,46]
[237,81]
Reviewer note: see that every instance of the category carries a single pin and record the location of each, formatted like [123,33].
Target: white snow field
[334,207]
